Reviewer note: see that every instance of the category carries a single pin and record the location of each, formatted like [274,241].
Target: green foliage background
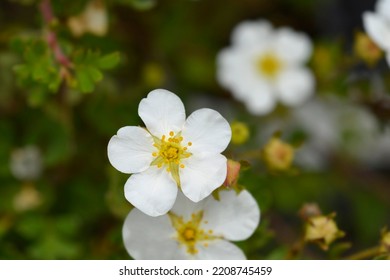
[168,44]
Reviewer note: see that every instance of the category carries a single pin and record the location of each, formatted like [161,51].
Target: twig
[51,37]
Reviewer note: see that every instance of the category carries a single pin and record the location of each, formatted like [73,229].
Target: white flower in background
[264,65]
[26,163]
[94,19]
[170,153]
[193,230]
[377,25]
[330,125]
[334,125]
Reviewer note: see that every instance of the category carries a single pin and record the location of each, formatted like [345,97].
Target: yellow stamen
[189,233]
[269,65]
[170,153]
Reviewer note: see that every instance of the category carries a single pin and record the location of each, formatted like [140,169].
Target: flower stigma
[269,65]
[169,154]
[189,233]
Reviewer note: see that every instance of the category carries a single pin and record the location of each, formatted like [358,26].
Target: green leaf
[84,82]
[109,61]
[87,68]
[38,68]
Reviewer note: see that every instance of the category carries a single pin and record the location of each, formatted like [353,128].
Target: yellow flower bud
[323,230]
[240,132]
[366,49]
[278,155]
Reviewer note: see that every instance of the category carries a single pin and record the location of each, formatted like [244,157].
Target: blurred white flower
[377,25]
[333,125]
[378,153]
[264,65]
[94,19]
[26,163]
[330,126]
[193,230]
[171,152]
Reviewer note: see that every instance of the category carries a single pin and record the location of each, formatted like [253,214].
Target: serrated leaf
[38,69]
[87,68]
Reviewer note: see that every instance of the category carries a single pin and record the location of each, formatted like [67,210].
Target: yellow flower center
[189,233]
[170,152]
[269,65]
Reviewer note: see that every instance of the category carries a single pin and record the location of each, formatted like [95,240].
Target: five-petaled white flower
[193,230]
[377,25]
[170,153]
[265,65]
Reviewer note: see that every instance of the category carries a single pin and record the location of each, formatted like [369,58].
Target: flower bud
[27,198]
[366,49]
[278,155]
[233,172]
[309,210]
[323,230]
[240,132]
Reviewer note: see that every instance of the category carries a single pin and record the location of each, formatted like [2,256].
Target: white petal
[294,86]
[382,7]
[230,64]
[152,191]
[202,175]
[251,32]
[261,99]
[185,207]
[162,111]
[208,132]
[293,47]
[378,28]
[150,238]
[130,151]
[219,250]
[235,217]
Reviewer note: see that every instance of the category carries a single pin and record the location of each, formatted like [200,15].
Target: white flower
[93,19]
[171,152]
[377,25]
[193,230]
[265,65]
[26,163]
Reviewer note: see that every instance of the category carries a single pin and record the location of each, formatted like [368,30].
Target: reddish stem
[51,36]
